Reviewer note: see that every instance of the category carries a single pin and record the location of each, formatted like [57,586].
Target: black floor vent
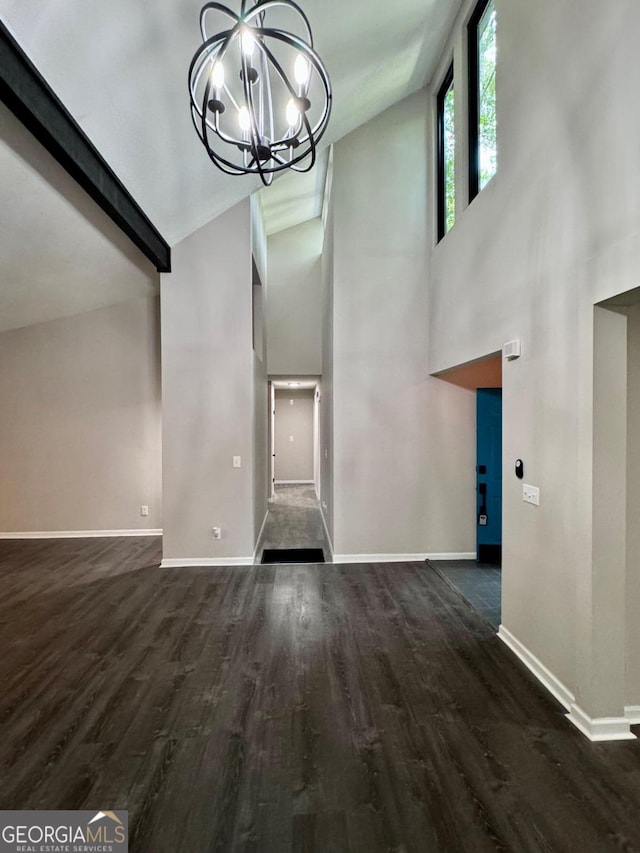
[293,555]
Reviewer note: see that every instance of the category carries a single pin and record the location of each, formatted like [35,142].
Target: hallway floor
[294,521]
[287,709]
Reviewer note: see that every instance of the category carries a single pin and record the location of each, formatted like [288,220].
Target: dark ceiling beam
[35,104]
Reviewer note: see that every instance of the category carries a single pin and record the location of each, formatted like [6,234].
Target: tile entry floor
[479,583]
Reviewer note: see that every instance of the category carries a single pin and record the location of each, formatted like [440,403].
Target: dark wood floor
[287,708]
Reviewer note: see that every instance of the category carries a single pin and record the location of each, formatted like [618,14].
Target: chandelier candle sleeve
[260,94]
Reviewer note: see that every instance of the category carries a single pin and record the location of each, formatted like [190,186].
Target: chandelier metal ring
[250,115]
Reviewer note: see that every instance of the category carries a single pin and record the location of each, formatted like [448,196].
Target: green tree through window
[448,117]
[487,150]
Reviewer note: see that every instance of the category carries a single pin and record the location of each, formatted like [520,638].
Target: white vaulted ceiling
[120,68]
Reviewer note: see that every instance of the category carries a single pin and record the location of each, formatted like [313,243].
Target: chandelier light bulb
[217,75]
[244,119]
[301,70]
[293,113]
[248,43]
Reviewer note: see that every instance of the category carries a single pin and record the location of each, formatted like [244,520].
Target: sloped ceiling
[295,197]
[120,68]
[60,254]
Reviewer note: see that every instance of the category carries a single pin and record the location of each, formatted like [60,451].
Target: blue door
[489,475]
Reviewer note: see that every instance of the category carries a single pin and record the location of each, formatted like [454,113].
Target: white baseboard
[294,482]
[78,534]
[462,555]
[259,537]
[632,713]
[535,665]
[400,558]
[378,558]
[326,533]
[204,562]
[598,729]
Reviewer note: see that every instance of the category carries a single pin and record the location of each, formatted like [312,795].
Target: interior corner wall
[601,625]
[80,425]
[550,236]
[294,306]
[326,383]
[632,593]
[260,386]
[207,392]
[404,442]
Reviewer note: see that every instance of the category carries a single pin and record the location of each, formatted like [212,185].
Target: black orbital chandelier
[260,94]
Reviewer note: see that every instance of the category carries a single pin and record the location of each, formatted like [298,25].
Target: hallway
[294,521]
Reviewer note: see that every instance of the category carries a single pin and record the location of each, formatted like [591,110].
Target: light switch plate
[531,494]
[237,462]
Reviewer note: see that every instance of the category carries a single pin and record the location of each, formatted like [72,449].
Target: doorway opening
[294,432]
[489,476]
[294,525]
[479,581]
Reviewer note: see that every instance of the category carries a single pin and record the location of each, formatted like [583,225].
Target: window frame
[443,91]
[473,80]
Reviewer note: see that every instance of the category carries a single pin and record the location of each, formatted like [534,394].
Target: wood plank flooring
[287,708]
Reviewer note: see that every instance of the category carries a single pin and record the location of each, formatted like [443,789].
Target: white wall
[326,383]
[553,233]
[208,392]
[294,434]
[261,485]
[80,422]
[601,624]
[294,306]
[404,443]
[632,591]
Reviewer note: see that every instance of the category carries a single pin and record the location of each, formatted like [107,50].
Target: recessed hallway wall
[294,301]
[294,435]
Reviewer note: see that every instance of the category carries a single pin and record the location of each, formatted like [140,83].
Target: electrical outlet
[216,532]
[144,510]
[531,494]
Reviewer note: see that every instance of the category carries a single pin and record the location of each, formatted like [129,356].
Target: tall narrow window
[483,159]
[446,156]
